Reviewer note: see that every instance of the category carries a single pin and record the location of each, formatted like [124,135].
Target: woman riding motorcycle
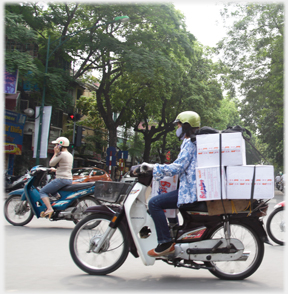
[184,166]
[64,159]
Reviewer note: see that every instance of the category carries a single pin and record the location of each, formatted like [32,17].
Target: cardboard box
[167,184]
[208,183]
[233,149]
[239,180]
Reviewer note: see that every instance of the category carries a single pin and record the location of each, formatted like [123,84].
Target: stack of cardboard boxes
[236,175]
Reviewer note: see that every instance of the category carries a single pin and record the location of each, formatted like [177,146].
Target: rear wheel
[253,246]
[276,225]
[83,242]
[17,212]
[81,205]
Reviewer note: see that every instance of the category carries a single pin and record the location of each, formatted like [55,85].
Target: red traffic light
[74,116]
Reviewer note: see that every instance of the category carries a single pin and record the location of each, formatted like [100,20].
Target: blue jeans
[54,186]
[156,205]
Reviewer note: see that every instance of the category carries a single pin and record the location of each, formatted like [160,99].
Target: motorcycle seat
[200,206]
[77,187]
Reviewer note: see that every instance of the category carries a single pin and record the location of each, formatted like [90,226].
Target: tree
[92,120]
[146,45]
[149,69]
[195,88]
[18,29]
[228,114]
[253,63]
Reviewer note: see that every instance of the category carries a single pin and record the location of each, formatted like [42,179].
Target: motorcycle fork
[116,218]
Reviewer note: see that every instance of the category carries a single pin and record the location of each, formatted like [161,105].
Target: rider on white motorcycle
[184,166]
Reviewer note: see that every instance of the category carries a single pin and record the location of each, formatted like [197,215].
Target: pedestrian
[184,166]
[64,159]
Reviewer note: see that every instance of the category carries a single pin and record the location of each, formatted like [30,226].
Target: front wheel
[253,248]
[17,212]
[276,225]
[84,239]
[81,205]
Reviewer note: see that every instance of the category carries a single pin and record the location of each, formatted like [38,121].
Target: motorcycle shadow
[155,281]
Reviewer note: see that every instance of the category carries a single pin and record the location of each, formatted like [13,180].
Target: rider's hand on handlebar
[146,166]
[52,170]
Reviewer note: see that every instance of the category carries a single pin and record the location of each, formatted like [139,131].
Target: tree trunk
[112,137]
[147,149]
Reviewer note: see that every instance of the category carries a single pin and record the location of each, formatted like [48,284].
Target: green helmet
[190,117]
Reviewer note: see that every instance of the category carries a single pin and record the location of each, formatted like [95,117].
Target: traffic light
[72,145]
[71,116]
[74,116]
[77,116]
[79,136]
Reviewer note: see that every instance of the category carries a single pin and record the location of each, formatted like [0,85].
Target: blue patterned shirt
[185,166]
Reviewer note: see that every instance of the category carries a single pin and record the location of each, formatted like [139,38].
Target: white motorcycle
[230,246]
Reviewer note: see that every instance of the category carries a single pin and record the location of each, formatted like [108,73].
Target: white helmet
[62,141]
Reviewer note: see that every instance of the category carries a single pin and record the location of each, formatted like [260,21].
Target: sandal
[45,214]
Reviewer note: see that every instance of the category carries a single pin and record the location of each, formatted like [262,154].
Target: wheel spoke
[17,212]
[81,206]
[239,269]
[83,243]
[276,226]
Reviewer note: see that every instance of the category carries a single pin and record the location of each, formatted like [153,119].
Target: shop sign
[11,81]
[14,127]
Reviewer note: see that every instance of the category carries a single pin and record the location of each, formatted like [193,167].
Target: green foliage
[135,146]
[16,30]
[253,61]
[228,115]
[92,120]
[25,24]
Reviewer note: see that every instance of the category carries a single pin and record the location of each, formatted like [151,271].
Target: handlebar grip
[137,170]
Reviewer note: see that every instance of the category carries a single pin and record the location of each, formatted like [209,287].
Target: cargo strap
[220,166]
[252,189]
[234,210]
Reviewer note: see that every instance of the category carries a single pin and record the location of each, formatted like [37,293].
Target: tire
[276,225]
[17,212]
[81,205]
[113,253]
[239,270]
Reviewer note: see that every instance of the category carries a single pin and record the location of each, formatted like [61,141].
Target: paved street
[37,258]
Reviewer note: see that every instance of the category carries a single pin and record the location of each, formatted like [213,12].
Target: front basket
[113,192]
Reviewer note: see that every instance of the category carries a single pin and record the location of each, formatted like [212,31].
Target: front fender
[280,204]
[18,192]
[106,211]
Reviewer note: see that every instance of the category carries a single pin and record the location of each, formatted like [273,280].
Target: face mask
[179,132]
